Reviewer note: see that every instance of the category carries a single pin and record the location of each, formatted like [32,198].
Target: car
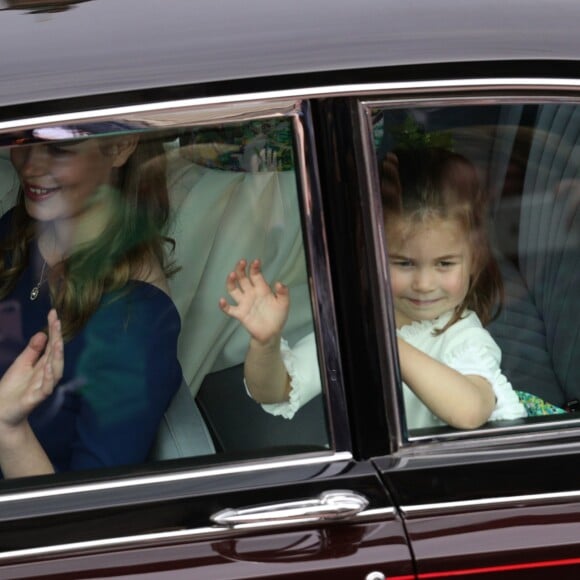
[275,120]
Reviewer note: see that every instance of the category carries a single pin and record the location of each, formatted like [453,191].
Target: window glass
[135,238]
[480,207]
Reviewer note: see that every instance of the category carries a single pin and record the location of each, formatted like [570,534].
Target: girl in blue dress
[86,239]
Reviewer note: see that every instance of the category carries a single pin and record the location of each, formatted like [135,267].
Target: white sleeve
[479,355]
[301,363]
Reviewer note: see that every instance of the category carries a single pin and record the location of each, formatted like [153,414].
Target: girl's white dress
[465,346]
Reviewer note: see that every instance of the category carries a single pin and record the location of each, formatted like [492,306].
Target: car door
[502,500]
[228,491]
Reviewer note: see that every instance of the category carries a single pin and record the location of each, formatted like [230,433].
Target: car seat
[222,214]
[538,329]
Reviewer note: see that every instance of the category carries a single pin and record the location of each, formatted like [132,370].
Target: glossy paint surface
[342,550]
[522,541]
[106,46]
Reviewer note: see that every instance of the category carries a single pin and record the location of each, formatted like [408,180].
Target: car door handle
[329,505]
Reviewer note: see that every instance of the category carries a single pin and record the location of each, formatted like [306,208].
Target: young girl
[86,238]
[445,285]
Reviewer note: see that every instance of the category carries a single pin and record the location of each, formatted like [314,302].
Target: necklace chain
[36,288]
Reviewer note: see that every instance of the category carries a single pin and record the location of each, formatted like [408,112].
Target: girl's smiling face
[60,180]
[430,267]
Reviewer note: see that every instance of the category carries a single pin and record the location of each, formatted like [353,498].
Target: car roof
[109,46]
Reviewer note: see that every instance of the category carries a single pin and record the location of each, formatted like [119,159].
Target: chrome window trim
[247,103]
[173,536]
[194,474]
[432,509]
[410,444]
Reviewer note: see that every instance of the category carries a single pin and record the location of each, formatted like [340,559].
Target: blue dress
[120,374]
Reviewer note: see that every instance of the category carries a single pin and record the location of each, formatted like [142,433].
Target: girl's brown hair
[423,183]
[134,236]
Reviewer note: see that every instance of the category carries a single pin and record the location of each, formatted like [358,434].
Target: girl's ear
[122,148]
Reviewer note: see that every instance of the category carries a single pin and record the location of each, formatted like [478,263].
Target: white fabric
[466,347]
[301,362]
[469,349]
[218,218]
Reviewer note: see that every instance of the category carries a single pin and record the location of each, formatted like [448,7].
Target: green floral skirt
[536,406]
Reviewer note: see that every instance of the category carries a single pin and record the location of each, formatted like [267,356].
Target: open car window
[524,157]
[153,367]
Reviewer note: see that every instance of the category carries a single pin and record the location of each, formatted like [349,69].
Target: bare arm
[30,380]
[263,312]
[462,401]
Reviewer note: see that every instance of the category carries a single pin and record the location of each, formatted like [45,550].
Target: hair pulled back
[430,182]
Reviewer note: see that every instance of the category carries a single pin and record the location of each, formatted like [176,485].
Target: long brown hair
[426,182]
[133,237]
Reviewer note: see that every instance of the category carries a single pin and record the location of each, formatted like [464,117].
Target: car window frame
[201,112]
[439,94]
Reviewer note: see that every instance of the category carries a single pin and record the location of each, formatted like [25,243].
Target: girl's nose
[423,280]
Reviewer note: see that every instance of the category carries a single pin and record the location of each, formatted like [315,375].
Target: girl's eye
[402,263]
[446,263]
[59,150]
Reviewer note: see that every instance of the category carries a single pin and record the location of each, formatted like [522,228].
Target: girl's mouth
[423,303]
[36,193]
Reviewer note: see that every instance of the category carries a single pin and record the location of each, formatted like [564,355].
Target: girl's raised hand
[262,310]
[32,376]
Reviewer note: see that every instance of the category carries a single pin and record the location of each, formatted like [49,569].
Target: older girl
[86,238]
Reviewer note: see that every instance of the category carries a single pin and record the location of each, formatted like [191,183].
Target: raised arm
[263,311]
[30,380]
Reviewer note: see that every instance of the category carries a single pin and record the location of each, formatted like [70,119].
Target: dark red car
[275,119]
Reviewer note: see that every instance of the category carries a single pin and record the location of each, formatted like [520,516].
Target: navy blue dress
[120,372]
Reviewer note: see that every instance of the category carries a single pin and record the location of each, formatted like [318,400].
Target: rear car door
[500,501]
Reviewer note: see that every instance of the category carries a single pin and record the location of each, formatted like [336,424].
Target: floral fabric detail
[536,406]
[228,147]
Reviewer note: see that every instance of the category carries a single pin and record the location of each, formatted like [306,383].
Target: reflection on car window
[116,250]
[481,224]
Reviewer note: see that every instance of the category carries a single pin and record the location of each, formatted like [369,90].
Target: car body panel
[106,46]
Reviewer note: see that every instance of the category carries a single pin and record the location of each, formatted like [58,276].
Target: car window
[480,208]
[145,241]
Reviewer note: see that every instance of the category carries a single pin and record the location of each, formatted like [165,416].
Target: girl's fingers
[240,269]
[257,278]
[48,380]
[255,267]
[33,350]
[281,289]
[232,282]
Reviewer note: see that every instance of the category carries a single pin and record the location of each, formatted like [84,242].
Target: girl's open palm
[32,376]
[261,310]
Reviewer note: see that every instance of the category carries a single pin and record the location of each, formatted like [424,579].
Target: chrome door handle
[328,506]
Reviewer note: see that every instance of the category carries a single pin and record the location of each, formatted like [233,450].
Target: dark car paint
[110,46]
[104,53]
[329,551]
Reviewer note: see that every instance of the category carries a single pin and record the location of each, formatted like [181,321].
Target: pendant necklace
[36,289]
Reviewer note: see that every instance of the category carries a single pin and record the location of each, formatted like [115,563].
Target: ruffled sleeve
[301,363]
[479,355]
